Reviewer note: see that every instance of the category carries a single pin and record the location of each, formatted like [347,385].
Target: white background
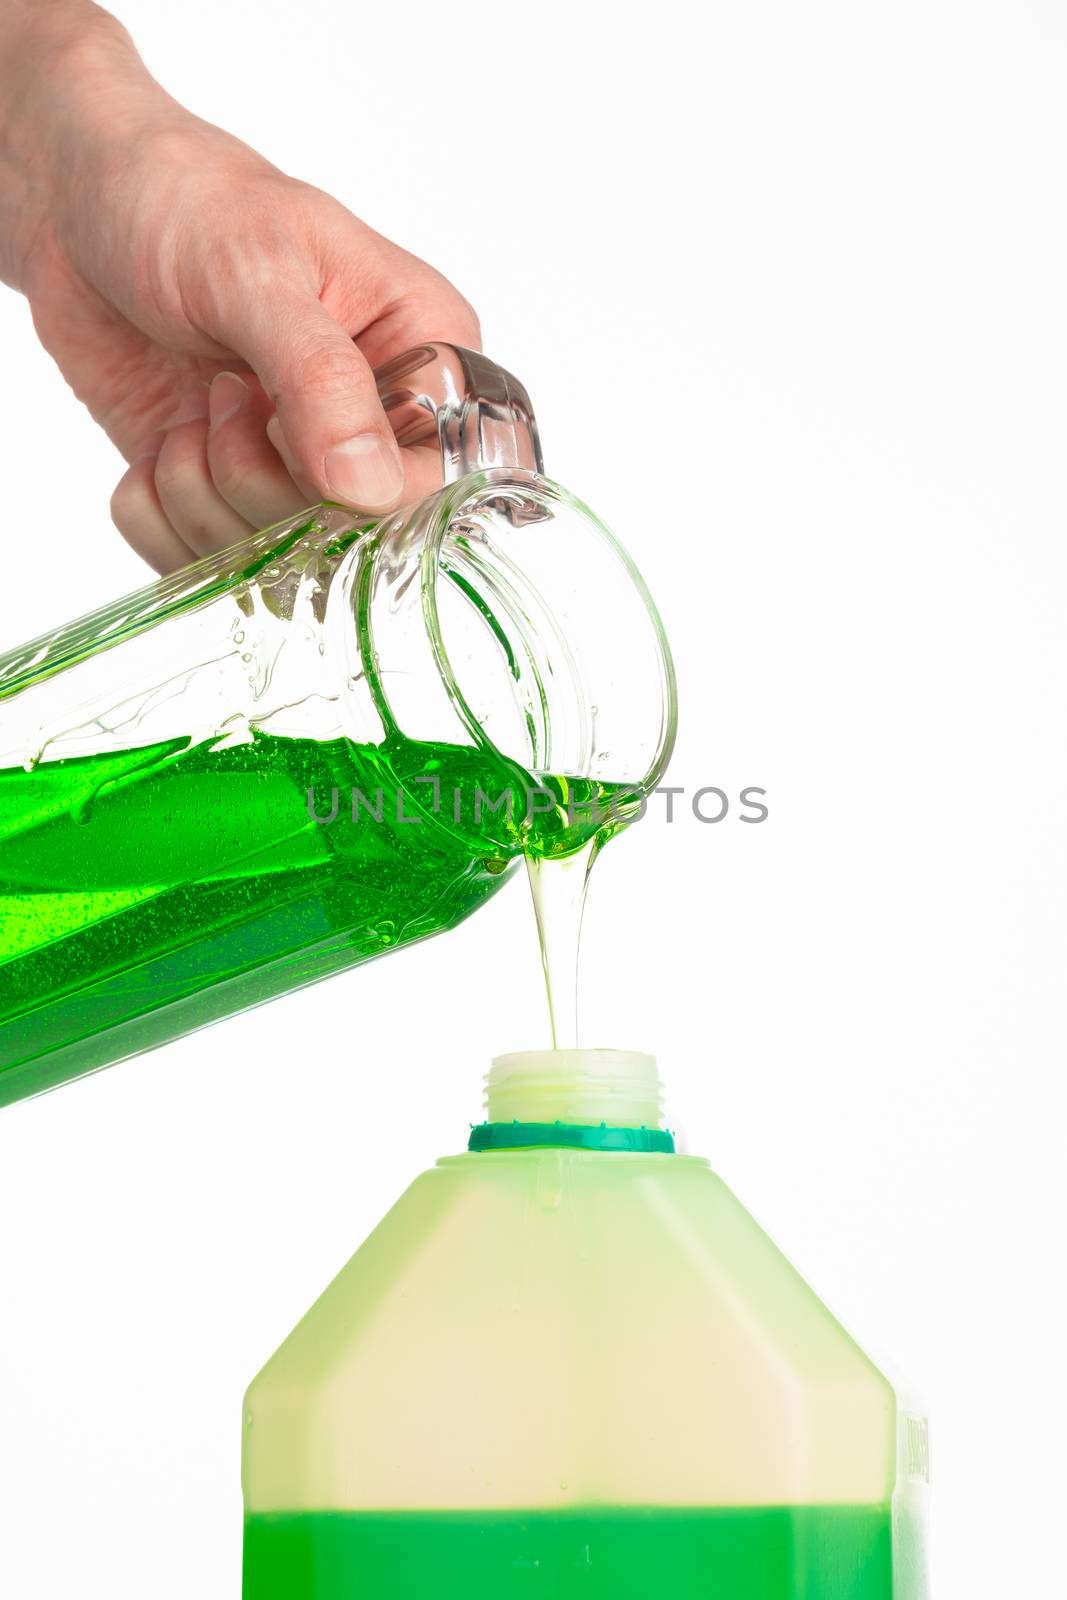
[787,285]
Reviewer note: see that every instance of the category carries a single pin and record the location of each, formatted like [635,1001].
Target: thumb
[333,425]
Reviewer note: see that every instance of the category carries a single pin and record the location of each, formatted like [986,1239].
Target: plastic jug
[569,1364]
[321,744]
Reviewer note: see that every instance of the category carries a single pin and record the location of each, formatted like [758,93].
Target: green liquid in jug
[147,892]
[736,1553]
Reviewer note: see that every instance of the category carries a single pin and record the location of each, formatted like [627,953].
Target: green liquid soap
[147,892]
[631,1553]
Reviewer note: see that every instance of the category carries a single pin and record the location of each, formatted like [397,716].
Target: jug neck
[500,613]
[578,1099]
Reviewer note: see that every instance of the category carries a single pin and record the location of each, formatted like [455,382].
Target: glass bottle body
[329,741]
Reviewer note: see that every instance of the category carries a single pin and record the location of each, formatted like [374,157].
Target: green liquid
[147,892]
[792,1553]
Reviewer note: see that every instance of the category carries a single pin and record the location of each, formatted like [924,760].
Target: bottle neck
[578,1099]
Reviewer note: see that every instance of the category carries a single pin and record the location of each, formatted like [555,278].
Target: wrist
[72,89]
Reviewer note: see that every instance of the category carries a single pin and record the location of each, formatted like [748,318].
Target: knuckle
[180,464]
[329,372]
[131,502]
[252,265]
[234,469]
[259,257]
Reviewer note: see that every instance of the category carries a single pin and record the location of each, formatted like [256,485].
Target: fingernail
[365,471]
[228,394]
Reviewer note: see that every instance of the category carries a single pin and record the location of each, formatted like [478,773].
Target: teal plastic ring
[569,1136]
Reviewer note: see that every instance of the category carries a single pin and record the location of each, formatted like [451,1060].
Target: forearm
[71,83]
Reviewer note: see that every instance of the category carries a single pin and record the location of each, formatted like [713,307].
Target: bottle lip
[596,1088]
[527,495]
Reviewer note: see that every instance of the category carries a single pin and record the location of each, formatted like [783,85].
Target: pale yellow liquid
[559,885]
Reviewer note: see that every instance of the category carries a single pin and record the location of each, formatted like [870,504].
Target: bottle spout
[618,1088]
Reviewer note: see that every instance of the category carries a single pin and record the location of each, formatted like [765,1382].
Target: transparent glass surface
[330,740]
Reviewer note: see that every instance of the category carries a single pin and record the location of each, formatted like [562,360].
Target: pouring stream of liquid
[559,886]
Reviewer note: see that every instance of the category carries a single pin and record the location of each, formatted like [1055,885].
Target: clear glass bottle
[329,740]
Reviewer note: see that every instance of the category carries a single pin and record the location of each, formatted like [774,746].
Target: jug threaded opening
[616,1088]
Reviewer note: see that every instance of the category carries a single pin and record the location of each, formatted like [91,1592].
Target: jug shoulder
[621,1315]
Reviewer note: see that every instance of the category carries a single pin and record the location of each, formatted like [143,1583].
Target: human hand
[204,306]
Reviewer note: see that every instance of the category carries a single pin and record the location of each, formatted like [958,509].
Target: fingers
[421,464]
[330,421]
[139,517]
[214,479]
[427,308]
[304,423]
[244,465]
[191,503]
